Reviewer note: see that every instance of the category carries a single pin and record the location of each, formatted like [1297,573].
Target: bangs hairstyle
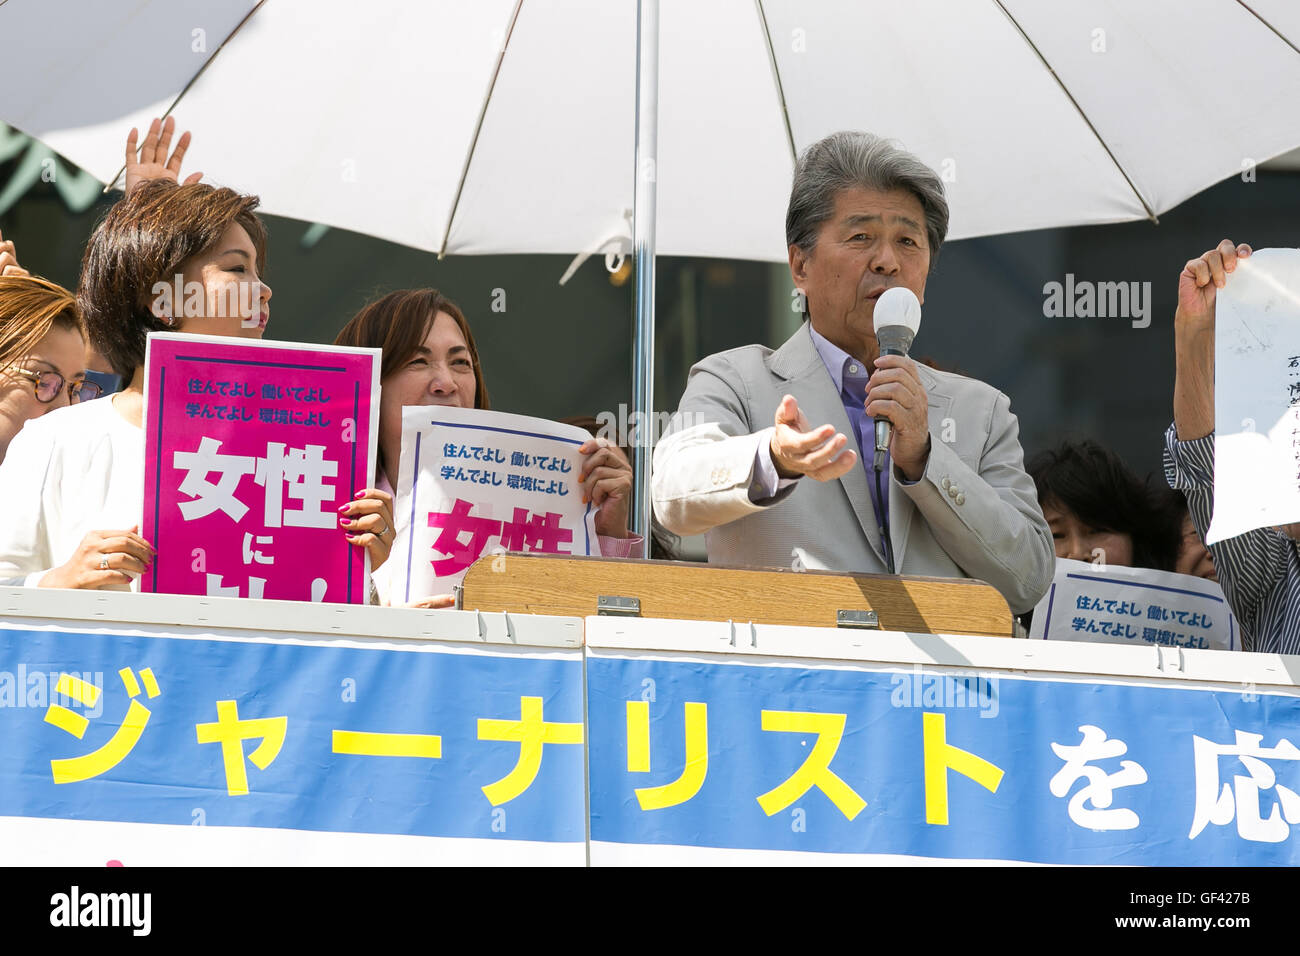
[849,160]
[142,241]
[1101,491]
[399,323]
[29,308]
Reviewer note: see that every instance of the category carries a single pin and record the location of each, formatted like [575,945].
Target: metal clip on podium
[582,586]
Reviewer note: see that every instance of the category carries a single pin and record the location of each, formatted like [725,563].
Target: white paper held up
[1257,396]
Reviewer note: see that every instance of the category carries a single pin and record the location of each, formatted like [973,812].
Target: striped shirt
[1259,571]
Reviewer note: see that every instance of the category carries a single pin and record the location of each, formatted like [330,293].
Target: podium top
[574,586]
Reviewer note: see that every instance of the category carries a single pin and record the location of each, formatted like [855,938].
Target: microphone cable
[883,513]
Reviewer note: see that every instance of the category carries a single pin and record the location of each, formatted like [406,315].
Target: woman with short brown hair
[169,256]
[80,470]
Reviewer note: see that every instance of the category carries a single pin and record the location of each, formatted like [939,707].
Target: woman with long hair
[430,358]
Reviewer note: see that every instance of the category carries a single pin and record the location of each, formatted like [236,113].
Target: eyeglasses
[49,384]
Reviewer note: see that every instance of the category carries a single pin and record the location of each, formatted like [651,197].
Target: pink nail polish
[343,509]
[360,495]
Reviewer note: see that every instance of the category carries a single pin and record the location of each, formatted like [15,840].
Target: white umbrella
[504,126]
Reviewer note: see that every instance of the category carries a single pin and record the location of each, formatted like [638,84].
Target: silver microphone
[897,317]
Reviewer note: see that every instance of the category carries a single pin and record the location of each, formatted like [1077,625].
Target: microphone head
[898,306]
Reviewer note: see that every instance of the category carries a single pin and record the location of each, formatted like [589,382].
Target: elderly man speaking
[745,462]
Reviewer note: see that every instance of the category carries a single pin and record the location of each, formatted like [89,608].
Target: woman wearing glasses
[42,353]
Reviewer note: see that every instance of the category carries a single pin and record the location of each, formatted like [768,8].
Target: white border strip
[43,841]
[741,641]
[277,618]
[654,854]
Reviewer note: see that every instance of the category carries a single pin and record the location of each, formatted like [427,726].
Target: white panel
[724,156]
[958,86]
[79,83]
[552,171]
[364,127]
[1185,90]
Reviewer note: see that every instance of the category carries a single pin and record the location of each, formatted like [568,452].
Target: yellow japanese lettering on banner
[231,731]
[78,689]
[696,768]
[940,757]
[638,736]
[67,720]
[363,744]
[127,735]
[531,732]
[816,768]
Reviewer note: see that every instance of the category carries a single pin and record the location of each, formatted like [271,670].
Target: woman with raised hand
[80,471]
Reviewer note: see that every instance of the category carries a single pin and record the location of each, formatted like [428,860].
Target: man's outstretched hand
[799,449]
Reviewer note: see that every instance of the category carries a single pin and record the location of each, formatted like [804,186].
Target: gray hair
[849,159]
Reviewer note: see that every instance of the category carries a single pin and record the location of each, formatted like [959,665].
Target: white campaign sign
[1256,393]
[476,482]
[1116,605]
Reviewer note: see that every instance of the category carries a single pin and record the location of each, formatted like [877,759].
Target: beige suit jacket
[974,513]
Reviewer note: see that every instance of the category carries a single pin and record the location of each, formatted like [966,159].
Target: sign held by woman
[251,451]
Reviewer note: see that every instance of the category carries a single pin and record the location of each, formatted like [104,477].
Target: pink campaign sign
[250,450]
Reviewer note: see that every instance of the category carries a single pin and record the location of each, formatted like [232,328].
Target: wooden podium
[583,586]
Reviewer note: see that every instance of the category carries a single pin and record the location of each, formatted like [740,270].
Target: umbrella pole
[643,245]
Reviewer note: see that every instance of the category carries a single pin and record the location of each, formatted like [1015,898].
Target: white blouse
[72,471]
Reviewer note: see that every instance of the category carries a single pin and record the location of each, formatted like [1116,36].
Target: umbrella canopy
[504,126]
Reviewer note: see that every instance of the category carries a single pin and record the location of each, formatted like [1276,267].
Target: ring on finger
[103,562]
[383,531]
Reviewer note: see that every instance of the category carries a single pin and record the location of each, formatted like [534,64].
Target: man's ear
[798,265]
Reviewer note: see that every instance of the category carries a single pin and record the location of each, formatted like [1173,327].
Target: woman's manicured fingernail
[360,495]
[343,509]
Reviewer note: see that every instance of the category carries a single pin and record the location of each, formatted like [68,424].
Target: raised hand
[151,161]
[9,260]
[1198,286]
[1202,278]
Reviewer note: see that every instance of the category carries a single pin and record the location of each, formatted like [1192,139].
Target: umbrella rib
[1256,15]
[1082,115]
[776,75]
[194,79]
[478,128]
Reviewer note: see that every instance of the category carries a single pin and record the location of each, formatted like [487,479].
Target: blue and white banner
[462,750]
[781,757]
[160,744]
